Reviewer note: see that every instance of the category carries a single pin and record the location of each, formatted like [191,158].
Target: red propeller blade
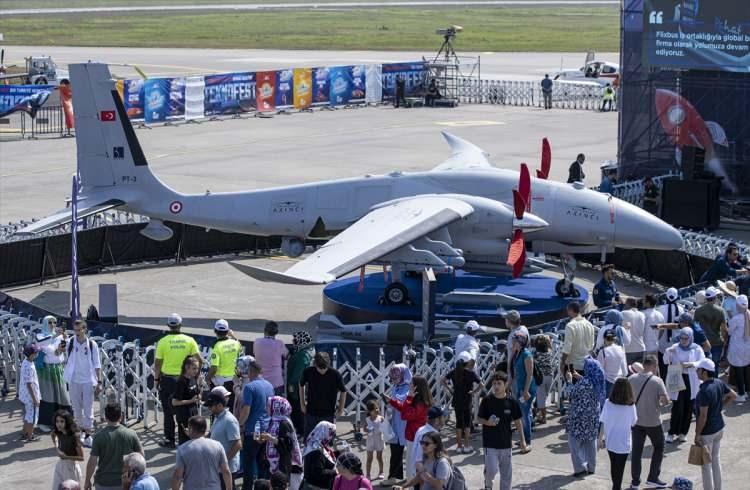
[524,184]
[546,160]
[517,253]
[519,205]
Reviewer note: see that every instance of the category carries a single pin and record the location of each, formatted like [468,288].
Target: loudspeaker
[691,203]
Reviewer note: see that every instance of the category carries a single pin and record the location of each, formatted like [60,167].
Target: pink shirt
[358,483]
[269,353]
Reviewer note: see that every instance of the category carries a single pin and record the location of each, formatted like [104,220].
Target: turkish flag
[107,116]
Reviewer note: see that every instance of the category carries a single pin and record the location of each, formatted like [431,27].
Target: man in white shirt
[467,342]
[83,375]
[652,318]
[435,422]
[580,337]
[612,359]
[636,348]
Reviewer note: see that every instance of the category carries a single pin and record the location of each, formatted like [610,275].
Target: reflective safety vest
[224,355]
[609,93]
[172,349]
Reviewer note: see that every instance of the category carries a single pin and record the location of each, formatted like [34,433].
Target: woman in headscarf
[351,476]
[301,356]
[319,460]
[400,377]
[587,395]
[685,353]
[613,320]
[49,368]
[241,369]
[282,447]
[524,385]
[738,353]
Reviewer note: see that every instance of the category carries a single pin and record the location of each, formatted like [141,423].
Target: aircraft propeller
[546,160]
[521,202]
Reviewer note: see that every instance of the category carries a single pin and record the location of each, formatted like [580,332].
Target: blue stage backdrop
[413,73]
[229,93]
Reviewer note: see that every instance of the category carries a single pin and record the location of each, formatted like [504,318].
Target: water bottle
[256,432]
[493,419]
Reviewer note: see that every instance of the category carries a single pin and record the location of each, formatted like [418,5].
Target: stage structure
[685,91]
[447,68]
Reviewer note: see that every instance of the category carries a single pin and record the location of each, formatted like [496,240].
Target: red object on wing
[681,121]
[519,205]
[524,187]
[546,160]
[517,253]
[107,116]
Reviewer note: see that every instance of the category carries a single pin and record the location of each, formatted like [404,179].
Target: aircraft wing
[464,155]
[378,233]
[64,217]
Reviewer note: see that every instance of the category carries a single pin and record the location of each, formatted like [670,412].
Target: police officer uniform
[172,350]
[604,292]
[224,354]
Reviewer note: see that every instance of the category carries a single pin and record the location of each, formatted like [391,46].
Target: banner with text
[132,95]
[321,86]
[229,93]
[302,88]
[412,73]
[15,98]
[265,90]
[284,89]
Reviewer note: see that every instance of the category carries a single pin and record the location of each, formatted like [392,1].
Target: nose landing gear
[565,287]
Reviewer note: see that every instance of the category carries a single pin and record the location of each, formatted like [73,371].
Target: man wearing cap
[712,318]
[435,422]
[224,354]
[605,291]
[651,395]
[270,353]
[726,265]
[468,342]
[225,429]
[513,324]
[713,395]
[171,350]
[580,337]
[670,312]
[254,413]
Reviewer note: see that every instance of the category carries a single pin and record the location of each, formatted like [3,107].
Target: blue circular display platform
[343,299]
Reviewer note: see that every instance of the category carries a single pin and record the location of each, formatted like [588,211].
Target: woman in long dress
[49,368]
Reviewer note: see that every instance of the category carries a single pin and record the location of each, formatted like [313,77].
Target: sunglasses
[425,443]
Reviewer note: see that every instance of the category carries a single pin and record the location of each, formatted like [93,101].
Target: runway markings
[468,124]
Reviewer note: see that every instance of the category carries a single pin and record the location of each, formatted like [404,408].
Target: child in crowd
[349,468]
[67,441]
[617,418]
[186,396]
[464,383]
[375,443]
[29,394]
[545,359]
[497,412]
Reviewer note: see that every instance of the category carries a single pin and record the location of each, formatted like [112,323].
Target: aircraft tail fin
[109,154]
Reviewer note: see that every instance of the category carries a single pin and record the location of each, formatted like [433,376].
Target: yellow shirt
[172,349]
[224,356]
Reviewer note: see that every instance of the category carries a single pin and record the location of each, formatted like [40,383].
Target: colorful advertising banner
[412,73]
[156,97]
[176,97]
[27,98]
[265,90]
[229,93]
[359,83]
[284,89]
[302,88]
[133,98]
[347,84]
[321,86]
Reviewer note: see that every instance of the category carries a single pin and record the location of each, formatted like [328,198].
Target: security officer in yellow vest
[171,351]
[608,98]
[224,355]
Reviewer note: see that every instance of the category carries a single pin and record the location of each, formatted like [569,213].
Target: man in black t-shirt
[575,171]
[496,412]
[464,383]
[323,387]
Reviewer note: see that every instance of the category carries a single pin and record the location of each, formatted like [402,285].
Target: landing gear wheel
[566,290]
[396,294]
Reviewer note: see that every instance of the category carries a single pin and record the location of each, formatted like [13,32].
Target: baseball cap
[473,326]
[711,292]
[672,294]
[435,412]
[214,399]
[174,320]
[464,357]
[221,391]
[513,316]
[742,300]
[221,325]
[30,349]
[706,364]
[635,368]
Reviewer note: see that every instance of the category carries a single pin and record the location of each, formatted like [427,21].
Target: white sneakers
[87,441]
[741,399]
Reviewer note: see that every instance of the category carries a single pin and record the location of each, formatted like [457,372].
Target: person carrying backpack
[83,373]
[438,472]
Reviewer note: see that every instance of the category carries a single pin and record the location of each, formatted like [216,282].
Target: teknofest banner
[229,93]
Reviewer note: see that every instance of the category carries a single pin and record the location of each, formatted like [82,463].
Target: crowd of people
[269,418]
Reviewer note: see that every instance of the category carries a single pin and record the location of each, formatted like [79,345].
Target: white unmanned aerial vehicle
[464,213]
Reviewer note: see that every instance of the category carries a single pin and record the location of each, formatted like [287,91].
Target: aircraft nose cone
[530,222]
[637,228]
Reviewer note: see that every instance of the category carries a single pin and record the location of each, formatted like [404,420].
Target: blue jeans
[526,417]
[608,386]
[250,455]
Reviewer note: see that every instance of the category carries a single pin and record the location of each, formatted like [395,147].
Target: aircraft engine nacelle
[292,246]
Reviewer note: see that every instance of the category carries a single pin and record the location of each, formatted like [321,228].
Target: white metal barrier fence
[565,95]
